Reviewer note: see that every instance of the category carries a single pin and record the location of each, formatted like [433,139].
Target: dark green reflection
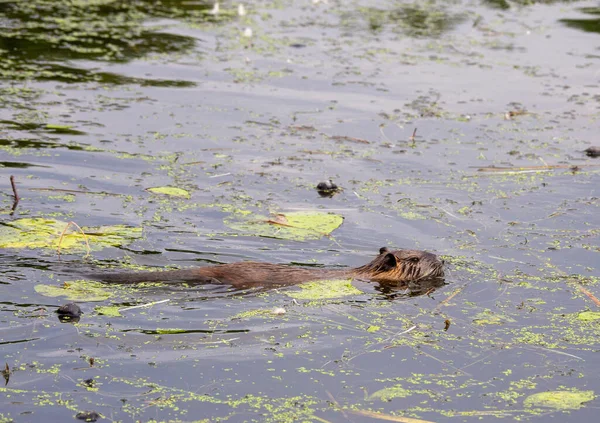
[505,4]
[587,25]
[38,37]
[421,19]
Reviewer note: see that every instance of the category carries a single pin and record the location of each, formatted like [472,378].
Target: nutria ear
[389,262]
[383,250]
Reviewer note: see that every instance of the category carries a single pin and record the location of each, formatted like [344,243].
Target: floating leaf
[325,289]
[110,311]
[588,316]
[560,400]
[55,126]
[80,290]
[170,191]
[296,226]
[45,233]
[62,129]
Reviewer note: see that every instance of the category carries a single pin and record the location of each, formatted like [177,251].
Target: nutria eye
[414,259]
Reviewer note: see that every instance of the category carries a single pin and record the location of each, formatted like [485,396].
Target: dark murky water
[102,100]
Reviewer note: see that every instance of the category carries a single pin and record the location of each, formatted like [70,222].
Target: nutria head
[401,266]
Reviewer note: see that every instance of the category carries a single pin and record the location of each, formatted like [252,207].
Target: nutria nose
[443,261]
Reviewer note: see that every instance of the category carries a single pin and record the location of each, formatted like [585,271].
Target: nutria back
[390,267]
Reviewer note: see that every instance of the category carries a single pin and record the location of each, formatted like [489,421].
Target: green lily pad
[560,400]
[321,290]
[295,226]
[588,316]
[170,191]
[80,290]
[45,233]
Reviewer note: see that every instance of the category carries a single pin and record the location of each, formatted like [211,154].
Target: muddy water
[104,100]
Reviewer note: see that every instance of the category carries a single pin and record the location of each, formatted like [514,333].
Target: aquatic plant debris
[325,289]
[46,233]
[560,400]
[79,290]
[388,394]
[109,311]
[589,316]
[294,226]
[55,126]
[170,191]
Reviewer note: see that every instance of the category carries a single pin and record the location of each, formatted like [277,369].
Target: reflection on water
[592,24]
[505,5]
[36,35]
[430,19]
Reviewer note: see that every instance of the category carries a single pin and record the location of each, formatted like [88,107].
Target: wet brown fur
[391,267]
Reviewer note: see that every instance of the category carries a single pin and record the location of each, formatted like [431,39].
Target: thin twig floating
[76,191]
[577,285]
[6,373]
[550,350]
[590,295]
[387,417]
[87,244]
[342,138]
[193,163]
[14,188]
[447,300]
[15,194]
[412,137]
[144,305]
[408,330]
[337,404]
[529,168]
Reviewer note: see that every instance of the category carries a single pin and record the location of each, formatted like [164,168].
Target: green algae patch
[109,311]
[294,226]
[44,233]
[170,331]
[489,318]
[254,313]
[388,394]
[55,126]
[80,290]
[589,316]
[170,191]
[326,289]
[559,400]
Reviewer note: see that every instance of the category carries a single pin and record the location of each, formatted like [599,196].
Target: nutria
[389,267]
[593,151]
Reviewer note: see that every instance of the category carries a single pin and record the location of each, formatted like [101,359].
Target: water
[102,100]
